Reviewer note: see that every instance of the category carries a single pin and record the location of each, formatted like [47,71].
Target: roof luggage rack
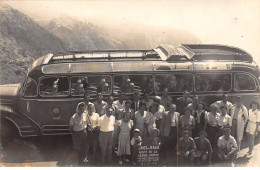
[109,55]
[169,53]
[200,52]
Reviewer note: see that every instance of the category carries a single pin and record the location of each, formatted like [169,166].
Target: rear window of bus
[244,82]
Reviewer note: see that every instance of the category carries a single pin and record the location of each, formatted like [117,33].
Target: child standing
[125,125]
[136,142]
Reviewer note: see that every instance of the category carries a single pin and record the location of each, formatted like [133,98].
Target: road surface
[48,152]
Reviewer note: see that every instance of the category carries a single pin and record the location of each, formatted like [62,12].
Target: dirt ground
[50,152]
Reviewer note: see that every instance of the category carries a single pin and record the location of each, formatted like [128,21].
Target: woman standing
[200,119]
[212,123]
[252,126]
[125,125]
[77,126]
[92,129]
[239,116]
[139,119]
[187,122]
[150,119]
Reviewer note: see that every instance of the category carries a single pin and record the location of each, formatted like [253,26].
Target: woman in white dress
[252,126]
[139,119]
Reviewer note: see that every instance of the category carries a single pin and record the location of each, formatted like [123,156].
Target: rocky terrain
[23,39]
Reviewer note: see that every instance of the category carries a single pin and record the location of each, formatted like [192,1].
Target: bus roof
[141,60]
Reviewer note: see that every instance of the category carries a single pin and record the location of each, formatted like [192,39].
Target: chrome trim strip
[57,134]
[53,125]
[55,129]
[25,126]
[27,131]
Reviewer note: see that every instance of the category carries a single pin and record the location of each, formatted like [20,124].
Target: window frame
[53,76]
[130,74]
[231,83]
[24,88]
[91,75]
[192,89]
[245,73]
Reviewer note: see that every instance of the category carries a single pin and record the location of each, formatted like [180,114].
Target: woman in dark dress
[200,119]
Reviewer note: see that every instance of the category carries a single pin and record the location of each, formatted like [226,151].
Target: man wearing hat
[227,146]
[186,149]
[204,149]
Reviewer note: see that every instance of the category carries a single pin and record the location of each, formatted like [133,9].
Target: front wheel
[7,133]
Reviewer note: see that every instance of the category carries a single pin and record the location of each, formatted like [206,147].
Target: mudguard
[25,126]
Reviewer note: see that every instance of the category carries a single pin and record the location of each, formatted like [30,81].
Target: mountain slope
[108,33]
[82,35]
[22,41]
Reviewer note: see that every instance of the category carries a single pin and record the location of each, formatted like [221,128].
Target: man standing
[77,126]
[136,101]
[99,104]
[120,103]
[183,101]
[239,116]
[87,100]
[166,100]
[225,102]
[227,147]
[106,124]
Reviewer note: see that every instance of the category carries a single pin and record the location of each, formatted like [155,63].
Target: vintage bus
[45,101]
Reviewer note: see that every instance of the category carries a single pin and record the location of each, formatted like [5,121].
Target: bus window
[174,82]
[131,83]
[212,82]
[244,82]
[91,84]
[30,88]
[54,86]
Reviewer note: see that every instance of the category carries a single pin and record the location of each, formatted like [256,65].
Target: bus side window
[212,82]
[174,82]
[130,83]
[90,84]
[77,86]
[54,86]
[30,88]
[244,82]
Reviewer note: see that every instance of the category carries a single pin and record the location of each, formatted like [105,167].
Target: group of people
[184,128]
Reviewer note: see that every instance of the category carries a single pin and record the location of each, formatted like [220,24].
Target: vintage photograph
[128,83]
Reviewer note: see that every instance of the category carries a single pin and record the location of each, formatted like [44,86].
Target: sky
[228,22]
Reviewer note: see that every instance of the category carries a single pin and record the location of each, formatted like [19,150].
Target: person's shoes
[86,160]
[120,162]
[126,160]
[249,155]
[232,164]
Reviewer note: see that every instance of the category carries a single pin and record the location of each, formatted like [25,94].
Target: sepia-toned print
[129,84]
